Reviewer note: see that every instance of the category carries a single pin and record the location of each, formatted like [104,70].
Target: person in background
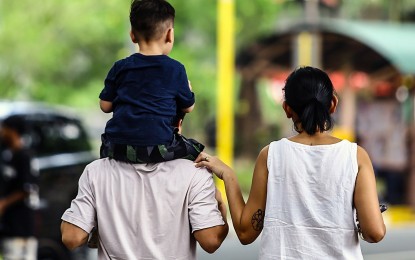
[19,181]
[306,188]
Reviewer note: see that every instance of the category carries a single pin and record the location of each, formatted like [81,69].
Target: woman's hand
[213,164]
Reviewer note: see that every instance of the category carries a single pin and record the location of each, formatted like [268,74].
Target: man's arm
[73,236]
[79,219]
[210,239]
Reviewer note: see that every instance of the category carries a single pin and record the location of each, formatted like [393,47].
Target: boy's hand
[106,106]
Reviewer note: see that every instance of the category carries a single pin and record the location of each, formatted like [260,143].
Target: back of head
[15,123]
[150,18]
[309,93]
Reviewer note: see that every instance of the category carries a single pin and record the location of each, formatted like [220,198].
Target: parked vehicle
[62,149]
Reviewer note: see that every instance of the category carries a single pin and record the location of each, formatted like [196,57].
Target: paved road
[399,244]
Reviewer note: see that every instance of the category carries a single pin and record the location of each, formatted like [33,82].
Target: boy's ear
[287,109]
[132,36]
[170,35]
[334,102]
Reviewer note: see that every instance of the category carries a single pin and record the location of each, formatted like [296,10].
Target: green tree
[60,51]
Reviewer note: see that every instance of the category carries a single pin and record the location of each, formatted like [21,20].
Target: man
[146,211]
[19,184]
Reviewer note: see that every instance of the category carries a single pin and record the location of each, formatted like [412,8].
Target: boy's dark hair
[148,18]
[309,92]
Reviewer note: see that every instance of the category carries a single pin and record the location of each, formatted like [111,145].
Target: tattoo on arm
[257,220]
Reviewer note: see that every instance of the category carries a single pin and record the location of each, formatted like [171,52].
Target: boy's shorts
[180,148]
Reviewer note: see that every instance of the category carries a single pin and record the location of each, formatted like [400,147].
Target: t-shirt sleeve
[82,211]
[203,207]
[185,97]
[110,89]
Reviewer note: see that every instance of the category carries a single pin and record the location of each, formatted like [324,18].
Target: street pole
[225,87]
[307,43]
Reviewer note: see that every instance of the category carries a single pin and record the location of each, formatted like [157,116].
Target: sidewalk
[399,216]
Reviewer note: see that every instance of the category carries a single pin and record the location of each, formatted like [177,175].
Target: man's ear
[334,102]
[170,35]
[132,36]
[287,109]
[179,125]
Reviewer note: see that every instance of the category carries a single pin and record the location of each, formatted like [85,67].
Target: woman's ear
[132,36]
[287,109]
[334,102]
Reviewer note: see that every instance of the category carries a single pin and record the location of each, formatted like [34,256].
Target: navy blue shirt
[145,92]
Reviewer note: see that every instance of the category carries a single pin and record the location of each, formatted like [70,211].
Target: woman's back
[309,208]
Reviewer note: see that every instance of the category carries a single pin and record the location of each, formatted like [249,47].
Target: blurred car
[62,149]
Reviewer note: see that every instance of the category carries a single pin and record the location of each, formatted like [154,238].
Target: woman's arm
[247,218]
[366,200]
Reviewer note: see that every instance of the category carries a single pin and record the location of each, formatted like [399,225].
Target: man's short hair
[179,116]
[16,123]
[150,18]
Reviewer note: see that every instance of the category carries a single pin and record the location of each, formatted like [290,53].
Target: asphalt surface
[398,244]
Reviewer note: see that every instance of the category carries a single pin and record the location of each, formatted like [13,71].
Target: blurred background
[57,53]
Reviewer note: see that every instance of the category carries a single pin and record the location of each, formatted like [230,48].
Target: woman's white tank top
[309,210]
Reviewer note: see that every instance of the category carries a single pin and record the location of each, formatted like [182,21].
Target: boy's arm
[106,106]
[109,93]
[189,109]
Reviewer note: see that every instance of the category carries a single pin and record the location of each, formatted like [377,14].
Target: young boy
[146,91]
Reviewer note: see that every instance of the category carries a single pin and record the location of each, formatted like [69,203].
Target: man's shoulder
[183,168]
[180,164]
[173,165]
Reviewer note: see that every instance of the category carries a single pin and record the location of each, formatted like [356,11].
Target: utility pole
[225,87]
[307,42]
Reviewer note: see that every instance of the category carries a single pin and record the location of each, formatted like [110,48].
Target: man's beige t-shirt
[145,211]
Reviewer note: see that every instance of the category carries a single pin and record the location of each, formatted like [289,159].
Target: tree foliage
[51,50]
[60,51]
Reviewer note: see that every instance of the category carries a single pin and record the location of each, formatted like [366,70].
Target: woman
[305,189]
